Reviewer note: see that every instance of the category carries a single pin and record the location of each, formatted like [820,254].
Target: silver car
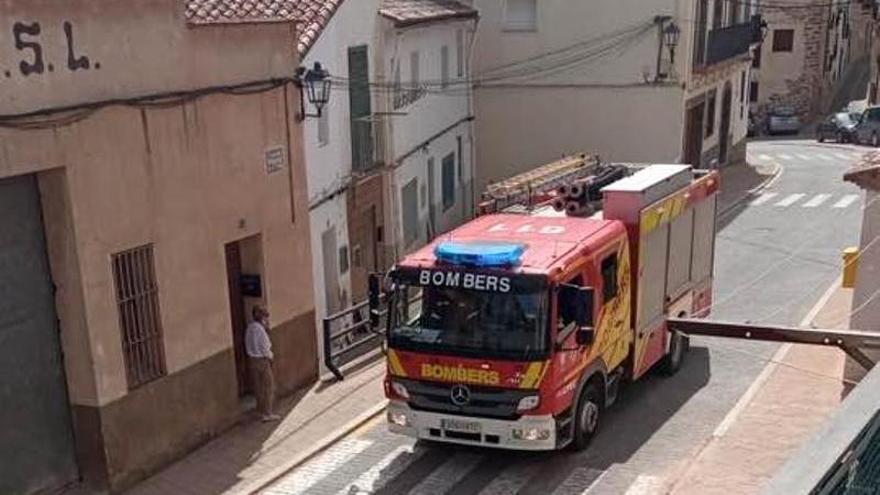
[783,120]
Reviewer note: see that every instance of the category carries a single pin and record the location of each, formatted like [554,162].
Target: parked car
[838,127]
[867,131]
[783,120]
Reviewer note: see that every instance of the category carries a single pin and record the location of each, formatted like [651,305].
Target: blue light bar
[480,253]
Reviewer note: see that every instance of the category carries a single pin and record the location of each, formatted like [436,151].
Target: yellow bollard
[850,267]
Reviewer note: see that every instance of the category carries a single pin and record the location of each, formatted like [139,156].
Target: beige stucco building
[151,191]
[556,77]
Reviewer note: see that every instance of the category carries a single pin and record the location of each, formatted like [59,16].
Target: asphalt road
[776,255]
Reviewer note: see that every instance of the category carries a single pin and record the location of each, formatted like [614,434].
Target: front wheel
[821,138]
[677,348]
[586,420]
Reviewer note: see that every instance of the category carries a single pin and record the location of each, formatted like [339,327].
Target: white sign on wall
[276,159]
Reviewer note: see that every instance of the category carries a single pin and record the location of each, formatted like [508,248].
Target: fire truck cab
[515,331]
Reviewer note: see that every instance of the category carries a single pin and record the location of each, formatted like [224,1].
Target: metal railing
[729,42]
[844,457]
[348,334]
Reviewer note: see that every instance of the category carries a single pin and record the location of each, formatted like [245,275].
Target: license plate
[462,426]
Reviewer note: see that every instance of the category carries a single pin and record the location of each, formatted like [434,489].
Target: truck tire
[587,416]
[672,362]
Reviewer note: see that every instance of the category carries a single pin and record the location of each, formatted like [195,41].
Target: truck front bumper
[526,433]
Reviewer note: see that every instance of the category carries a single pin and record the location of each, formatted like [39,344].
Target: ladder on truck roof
[537,185]
[852,342]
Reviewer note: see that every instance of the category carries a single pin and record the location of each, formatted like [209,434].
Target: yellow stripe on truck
[394,364]
[533,375]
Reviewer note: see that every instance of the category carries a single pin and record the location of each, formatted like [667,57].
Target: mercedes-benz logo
[460,395]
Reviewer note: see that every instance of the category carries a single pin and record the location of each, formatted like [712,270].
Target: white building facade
[429,122]
[556,77]
[390,158]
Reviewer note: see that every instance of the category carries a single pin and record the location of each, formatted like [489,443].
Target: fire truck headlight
[400,390]
[531,434]
[398,418]
[528,403]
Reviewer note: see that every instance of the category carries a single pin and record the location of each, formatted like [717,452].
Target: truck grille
[485,402]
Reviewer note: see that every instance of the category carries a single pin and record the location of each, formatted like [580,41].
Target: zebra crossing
[804,200]
[845,157]
[376,466]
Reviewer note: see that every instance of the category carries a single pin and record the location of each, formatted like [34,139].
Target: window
[710,114]
[609,278]
[460,155]
[520,15]
[700,32]
[566,311]
[717,14]
[753,91]
[756,57]
[343,260]
[138,304]
[444,66]
[414,71]
[409,202]
[324,127]
[783,40]
[459,52]
[448,172]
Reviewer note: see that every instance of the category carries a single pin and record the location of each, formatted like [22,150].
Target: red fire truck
[516,330]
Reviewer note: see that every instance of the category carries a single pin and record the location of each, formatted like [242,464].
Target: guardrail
[348,334]
[844,457]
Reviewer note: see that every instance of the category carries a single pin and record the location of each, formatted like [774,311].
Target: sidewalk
[785,407]
[741,181]
[253,454]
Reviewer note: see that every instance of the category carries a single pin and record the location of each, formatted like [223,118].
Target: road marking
[579,482]
[384,471]
[816,201]
[846,201]
[805,157]
[645,485]
[786,157]
[511,480]
[843,156]
[756,385]
[448,474]
[314,471]
[764,198]
[765,158]
[790,200]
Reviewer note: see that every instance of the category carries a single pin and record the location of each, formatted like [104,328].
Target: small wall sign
[276,159]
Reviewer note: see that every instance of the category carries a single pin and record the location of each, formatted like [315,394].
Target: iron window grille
[137,302]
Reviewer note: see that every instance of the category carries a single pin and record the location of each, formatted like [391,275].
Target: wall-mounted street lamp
[669,36]
[315,83]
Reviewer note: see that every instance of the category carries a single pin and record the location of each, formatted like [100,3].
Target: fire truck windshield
[472,323]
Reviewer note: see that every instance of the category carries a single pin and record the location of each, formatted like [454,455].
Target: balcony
[730,42]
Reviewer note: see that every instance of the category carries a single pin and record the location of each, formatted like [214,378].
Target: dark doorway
[237,315]
[36,439]
[693,140]
[724,136]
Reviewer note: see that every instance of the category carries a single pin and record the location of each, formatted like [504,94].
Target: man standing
[259,351]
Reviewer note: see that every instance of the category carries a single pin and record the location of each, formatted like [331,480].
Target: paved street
[777,253]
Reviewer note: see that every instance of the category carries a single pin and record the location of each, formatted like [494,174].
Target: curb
[774,175]
[316,449]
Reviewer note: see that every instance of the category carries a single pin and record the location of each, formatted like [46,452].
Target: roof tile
[311,16]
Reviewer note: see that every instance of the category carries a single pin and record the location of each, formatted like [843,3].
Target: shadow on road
[641,410]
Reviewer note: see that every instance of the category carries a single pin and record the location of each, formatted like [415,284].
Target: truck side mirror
[374,283]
